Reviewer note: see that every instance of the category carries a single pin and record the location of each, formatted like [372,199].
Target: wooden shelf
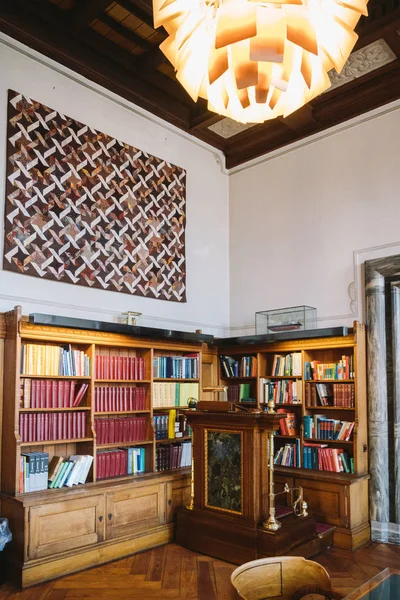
[78,377]
[287,437]
[319,441]
[283,377]
[317,475]
[285,404]
[122,380]
[329,381]
[239,378]
[69,409]
[176,379]
[53,442]
[174,440]
[330,407]
[170,408]
[121,412]
[123,444]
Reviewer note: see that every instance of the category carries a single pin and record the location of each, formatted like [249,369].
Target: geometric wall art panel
[85,208]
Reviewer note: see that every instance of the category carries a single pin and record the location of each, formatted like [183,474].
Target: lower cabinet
[67,525]
[336,500]
[135,510]
[56,533]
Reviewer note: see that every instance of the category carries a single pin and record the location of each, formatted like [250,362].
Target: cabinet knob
[109,516]
[169,502]
[100,518]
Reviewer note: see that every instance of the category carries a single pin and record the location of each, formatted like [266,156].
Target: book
[80,394]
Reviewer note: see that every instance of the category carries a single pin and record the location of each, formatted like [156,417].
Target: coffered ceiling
[116,45]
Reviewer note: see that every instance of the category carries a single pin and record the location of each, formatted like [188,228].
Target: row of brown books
[173,456]
[38,427]
[51,393]
[327,394]
[116,430]
[116,398]
[119,367]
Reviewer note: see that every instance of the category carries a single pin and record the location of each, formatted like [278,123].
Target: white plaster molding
[227,128]
[101,91]
[361,62]
[385,532]
[364,118]
[359,258]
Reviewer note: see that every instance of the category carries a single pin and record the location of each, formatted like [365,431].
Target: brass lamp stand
[299,506]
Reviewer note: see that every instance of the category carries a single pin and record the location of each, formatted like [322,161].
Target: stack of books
[116,430]
[176,367]
[51,393]
[41,359]
[120,367]
[173,394]
[119,398]
[38,427]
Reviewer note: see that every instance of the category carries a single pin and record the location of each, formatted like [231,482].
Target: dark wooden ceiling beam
[301,120]
[392,38]
[56,45]
[204,120]
[126,33]
[85,11]
[170,90]
[138,12]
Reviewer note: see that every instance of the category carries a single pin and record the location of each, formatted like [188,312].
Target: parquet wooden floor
[174,573]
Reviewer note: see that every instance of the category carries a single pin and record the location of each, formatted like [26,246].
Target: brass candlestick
[271,523]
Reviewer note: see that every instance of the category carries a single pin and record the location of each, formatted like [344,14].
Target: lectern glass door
[224,470]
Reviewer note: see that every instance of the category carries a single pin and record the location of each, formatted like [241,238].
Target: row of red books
[51,393]
[38,427]
[335,460]
[117,430]
[119,398]
[119,367]
[337,394]
[111,464]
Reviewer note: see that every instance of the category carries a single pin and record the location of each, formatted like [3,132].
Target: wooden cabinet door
[178,496]
[328,502]
[135,509]
[66,525]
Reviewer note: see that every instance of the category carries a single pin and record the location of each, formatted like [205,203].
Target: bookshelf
[283,373]
[72,395]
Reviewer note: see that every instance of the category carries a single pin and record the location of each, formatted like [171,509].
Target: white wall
[302,223]
[207,251]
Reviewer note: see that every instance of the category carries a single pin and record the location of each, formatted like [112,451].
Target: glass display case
[286,319]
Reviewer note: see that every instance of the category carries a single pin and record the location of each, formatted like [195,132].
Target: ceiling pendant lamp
[256,60]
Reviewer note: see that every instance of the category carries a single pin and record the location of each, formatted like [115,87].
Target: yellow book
[171,424]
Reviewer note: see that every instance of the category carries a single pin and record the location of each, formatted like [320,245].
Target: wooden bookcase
[339,499]
[57,531]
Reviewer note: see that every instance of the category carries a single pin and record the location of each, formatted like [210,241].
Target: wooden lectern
[231,515]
